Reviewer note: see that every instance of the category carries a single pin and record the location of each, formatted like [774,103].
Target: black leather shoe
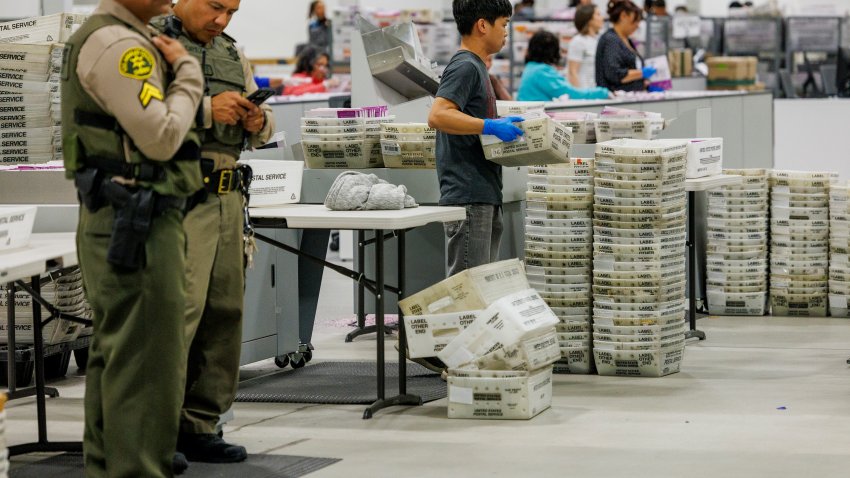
[179,463]
[209,448]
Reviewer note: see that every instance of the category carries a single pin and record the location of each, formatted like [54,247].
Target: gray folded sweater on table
[353,191]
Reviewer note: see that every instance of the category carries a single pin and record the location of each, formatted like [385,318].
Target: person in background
[215,251]
[502,93]
[618,64]
[681,9]
[311,70]
[524,10]
[581,54]
[659,8]
[579,3]
[464,108]
[541,80]
[319,30]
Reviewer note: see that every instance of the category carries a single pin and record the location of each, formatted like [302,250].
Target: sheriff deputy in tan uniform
[227,123]
[129,101]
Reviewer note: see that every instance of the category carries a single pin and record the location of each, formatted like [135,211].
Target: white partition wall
[812,135]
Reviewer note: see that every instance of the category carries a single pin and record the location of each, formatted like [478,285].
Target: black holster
[134,214]
[88,183]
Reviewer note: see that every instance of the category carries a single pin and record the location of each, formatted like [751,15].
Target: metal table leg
[362,328]
[401,399]
[43,445]
[692,269]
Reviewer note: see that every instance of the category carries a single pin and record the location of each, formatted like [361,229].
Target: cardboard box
[720,85]
[56,28]
[544,142]
[472,289]
[681,62]
[427,335]
[499,394]
[274,183]
[732,68]
[705,157]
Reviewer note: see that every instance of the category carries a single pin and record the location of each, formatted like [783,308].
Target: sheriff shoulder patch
[149,92]
[137,63]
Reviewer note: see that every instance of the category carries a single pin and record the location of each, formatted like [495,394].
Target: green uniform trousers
[215,291]
[136,368]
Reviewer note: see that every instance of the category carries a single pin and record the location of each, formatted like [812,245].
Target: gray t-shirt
[465,176]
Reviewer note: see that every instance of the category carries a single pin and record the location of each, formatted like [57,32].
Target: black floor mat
[346,383]
[70,465]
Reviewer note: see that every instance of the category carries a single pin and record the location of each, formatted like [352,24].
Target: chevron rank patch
[149,92]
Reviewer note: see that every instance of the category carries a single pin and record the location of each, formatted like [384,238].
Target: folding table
[398,222]
[692,186]
[45,252]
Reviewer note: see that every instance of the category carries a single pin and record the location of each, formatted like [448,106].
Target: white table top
[317,216]
[25,262]
[712,182]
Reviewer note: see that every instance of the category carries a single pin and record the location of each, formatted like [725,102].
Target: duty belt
[219,182]
[142,171]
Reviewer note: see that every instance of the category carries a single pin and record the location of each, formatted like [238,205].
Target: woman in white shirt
[581,55]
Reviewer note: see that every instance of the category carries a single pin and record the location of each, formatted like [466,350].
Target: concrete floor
[722,416]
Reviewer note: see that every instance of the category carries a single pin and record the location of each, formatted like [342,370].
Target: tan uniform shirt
[123,72]
[225,161]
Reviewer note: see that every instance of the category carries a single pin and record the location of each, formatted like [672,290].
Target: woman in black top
[618,64]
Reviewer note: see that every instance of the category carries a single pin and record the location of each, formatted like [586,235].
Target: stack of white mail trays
[736,251]
[343,138]
[639,257]
[559,253]
[799,242]
[409,145]
[30,115]
[839,248]
[30,66]
[65,294]
[496,336]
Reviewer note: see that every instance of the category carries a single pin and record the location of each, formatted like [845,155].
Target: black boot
[179,463]
[209,448]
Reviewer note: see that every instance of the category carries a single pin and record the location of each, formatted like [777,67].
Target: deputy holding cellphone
[227,122]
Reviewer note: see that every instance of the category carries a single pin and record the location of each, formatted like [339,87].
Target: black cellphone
[260,96]
[173,26]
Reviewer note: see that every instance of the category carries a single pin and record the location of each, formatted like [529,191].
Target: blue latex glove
[655,89]
[262,81]
[649,71]
[503,128]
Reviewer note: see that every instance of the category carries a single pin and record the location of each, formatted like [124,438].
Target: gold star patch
[137,63]
[149,92]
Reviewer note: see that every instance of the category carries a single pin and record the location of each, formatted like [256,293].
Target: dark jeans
[475,240]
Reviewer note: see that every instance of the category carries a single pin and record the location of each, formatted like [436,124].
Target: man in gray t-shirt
[460,158]
[465,107]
